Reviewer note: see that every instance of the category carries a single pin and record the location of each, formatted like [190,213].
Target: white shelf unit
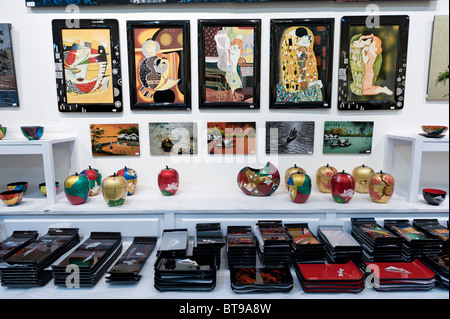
[44,147]
[419,145]
[145,289]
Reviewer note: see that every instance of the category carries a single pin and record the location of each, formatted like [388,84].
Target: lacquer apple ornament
[95,180]
[168,181]
[76,188]
[131,177]
[342,187]
[114,190]
[299,186]
[361,175]
[381,187]
[289,171]
[323,178]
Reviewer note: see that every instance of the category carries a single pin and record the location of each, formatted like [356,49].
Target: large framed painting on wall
[87,61]
[159,65]
[54,3]
[229,64]
[372,66]
[301,63]
[8,83]
[438,81]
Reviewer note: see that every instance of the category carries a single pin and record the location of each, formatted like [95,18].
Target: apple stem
[167,167]
[295,165]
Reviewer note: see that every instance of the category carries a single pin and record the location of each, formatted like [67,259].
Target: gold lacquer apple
[361,175]
[114,190]
[381,187]
[323,178]
[289,171]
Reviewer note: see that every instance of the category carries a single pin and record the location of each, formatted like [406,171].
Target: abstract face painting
[372,69]
[87,66]
[301,63]
[159,64]
[229,65]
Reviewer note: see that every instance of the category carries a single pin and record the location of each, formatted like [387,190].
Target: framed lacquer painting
[87,61]
[159,65]
[301,65]
[8,82]
[229,64]
[372,66]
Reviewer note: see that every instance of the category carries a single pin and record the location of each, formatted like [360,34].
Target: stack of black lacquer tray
[90,259]
[306,248]
[341,246]
[439,264]
[330,277]
[433,229]
[174,243]
[28,266]
[261,280]
[378,243]
[274,243]
[416,243]
[241,246]
[127,269]
[189,273]
[15,242]
[209,240]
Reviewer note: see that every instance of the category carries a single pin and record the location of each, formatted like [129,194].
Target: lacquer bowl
[32,132]
[43,188]
[434,129]
[259,181]
[11,198]
[22,186]
[2,132]
[434,196]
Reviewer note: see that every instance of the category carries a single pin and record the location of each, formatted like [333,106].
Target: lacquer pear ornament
[114,190]
[168,181]
[323,178]
[289,171]
[299,186]
[259,182]
[76,188]
[381,187]
[361,175]
[342,187]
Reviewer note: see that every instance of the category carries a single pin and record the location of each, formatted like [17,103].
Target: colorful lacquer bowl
[434,129]
[2,132]
[11,198]
[434,196]
[43,188]
[32,132]
[22,186]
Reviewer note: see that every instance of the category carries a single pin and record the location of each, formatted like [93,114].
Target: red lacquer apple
[342,187]
[168,181]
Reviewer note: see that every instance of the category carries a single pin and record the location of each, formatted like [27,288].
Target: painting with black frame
[372,66]
[159,65]
[229,64]
[301,58]
[87,62]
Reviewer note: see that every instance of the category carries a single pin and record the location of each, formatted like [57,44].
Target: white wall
[33,53]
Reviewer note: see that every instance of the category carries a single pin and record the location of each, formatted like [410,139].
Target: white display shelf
[145,289]
[419,144]
[226,199]
[44,147]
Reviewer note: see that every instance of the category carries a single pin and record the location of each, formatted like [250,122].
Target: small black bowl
[434,196]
